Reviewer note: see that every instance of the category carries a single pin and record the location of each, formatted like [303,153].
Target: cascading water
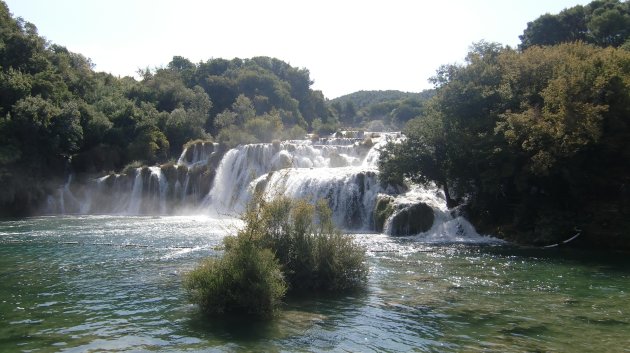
[136,194]
[197,154]
[447,225]
[156,190]
[351,192]
[342,171]
[240,169]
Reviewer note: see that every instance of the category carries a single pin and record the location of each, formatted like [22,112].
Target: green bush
[191,143]
[233,136]
[295,132]
[314,255]
[285,244]
[130,169]
[246,280]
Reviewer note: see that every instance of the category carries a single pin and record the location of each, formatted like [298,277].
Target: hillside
[58,116]
[379,109]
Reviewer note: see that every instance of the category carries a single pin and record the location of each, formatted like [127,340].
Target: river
[114,283]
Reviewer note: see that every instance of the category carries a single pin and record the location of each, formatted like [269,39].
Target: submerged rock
[412,220]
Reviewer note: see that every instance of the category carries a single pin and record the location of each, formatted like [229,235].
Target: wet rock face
[382,211]
[403,219]
[412,220]
[283,161]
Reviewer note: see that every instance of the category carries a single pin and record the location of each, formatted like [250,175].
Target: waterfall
[241,166]
[63,199]
[136,194]
[343,171]
[237,169]
[155,190]
[351,192]
[447,225]
[197,153]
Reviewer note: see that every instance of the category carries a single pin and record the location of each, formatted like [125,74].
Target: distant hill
[391,108]
[362,99]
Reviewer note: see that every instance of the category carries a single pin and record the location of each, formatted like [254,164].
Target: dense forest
[533,142]
[57,113]
[379,110]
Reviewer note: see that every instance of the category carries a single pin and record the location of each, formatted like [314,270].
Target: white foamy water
[343,171]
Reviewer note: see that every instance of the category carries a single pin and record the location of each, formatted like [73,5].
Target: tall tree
[602,22]
[529,143]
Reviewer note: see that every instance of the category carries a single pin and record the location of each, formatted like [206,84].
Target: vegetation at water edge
[285,245]
[533,141]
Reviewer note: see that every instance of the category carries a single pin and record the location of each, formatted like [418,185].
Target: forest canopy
[379,110]
[601,22]
[57,113]
[534,142]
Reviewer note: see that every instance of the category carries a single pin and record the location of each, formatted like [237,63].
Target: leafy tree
[602,22]
[67,130]
[529,143]
[610,23]
[14,85]
[348,113]
[57,114]
[421,158]
[185,124]
[265,128]
[185,68]
[393,108]
[244,109]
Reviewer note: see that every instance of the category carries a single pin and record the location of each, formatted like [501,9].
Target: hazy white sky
[346,45]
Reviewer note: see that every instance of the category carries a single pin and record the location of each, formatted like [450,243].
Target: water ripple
[75,284]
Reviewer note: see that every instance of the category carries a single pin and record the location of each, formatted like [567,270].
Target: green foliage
[294,133]
[190,143]
[526,137]
[130,169]
[601,22]
[233,136]
[363,99]
[424,150]
[570,119]
[265,128]
[393,108]
[313,254]
[382,210]
[54,108]
[246,280]
[324,128]
[241,124]
[285,245]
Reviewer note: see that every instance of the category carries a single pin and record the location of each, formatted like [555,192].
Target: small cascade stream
[208,180]
[149,190]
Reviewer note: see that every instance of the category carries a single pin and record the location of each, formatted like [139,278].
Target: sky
[346,45]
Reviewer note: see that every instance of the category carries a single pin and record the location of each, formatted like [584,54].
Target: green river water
[108,283]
